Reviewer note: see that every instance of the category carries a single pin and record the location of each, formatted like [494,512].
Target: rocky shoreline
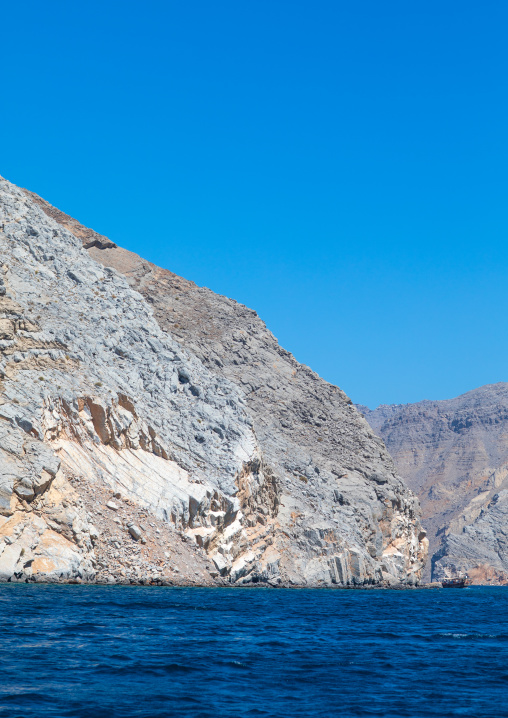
[132,547]
[223,584]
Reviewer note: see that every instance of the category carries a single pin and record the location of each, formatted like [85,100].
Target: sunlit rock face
[151,430]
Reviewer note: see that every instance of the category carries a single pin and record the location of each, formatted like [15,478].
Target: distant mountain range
[454,456]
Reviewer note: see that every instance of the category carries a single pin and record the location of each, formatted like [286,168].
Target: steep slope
[454,455]
[182,403]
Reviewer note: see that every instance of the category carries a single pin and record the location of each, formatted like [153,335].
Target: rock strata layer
[454,455]
[151,430]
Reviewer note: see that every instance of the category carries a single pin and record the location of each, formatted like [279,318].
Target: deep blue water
[93,651]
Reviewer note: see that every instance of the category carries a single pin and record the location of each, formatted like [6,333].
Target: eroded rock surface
[454,455]
[121,379]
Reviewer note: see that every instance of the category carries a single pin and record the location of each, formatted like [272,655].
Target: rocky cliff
[454,455]
[151,430]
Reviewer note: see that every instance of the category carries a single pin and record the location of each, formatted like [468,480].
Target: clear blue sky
[341,167]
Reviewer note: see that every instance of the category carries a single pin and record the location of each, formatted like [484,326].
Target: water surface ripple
[93,651]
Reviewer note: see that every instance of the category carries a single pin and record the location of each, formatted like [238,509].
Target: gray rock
[220,563]
[135,532]
[8,561]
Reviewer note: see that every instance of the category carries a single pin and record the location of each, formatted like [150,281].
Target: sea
[119,651]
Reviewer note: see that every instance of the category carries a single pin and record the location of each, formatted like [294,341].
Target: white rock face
[93,390]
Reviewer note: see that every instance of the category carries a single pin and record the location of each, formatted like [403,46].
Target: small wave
[472,636]
[236,664]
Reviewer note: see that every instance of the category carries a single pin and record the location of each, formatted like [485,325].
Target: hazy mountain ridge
[454,455]
[237,463]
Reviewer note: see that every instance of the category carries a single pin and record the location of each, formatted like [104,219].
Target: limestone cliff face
[152,430]
[454,455]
